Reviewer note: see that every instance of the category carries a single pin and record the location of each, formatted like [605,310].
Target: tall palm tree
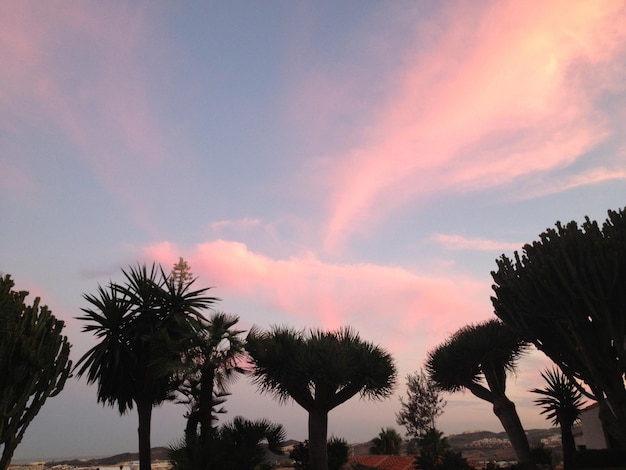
[142,324]
[319,371]
[561,402]
[477,358]
[388,442]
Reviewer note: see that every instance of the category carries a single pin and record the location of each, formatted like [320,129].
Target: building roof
[393,462]
[385,462]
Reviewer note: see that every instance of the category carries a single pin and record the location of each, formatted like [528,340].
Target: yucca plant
[561,401]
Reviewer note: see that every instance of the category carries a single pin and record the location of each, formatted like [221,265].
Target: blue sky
[318,164]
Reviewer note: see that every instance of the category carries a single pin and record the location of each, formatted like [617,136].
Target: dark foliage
[34,363]
[337,454]
[565,294]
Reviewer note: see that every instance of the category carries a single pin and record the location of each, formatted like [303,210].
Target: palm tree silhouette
[144,325]
[561,402]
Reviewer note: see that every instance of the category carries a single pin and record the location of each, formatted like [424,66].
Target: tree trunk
[7,452]
[612,414]
[205,404]
[569,447]
[144,411]
[318,430]
[504,409]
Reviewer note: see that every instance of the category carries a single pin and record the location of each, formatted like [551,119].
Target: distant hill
[158,453]
[463,440]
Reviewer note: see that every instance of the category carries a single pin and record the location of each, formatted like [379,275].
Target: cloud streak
[505,93]
[458,242]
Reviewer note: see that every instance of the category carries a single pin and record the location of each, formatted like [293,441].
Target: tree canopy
[34,363]
[477,358]
[565,293]
[319,371]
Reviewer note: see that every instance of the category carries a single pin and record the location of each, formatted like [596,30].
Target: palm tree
[477,358]
[143,325]
[433,446]
[240,444]
[213,363]
[319,371]
[561,402]
[243,443]
[388,442]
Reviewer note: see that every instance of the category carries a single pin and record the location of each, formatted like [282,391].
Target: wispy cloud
[542,187]
[508,91]
[458,242]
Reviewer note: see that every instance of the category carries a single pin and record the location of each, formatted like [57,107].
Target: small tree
[432,447]
[388,442]
[561,401]
[436,453]
[34,363]
[423,405]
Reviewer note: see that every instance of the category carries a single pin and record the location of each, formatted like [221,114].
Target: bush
[337,454]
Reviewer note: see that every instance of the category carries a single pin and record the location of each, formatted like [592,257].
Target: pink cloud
[406,311]
[458,242]
[498,95]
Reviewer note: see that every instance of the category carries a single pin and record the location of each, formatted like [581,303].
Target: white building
[590,434]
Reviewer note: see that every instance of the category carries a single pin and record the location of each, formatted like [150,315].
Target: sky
[318,164]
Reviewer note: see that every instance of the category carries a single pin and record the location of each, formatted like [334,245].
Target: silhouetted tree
[388,442]
[211,364]
[561,401]
[240,444]
[565,294]
[144,325]
[477,358]
[423,405]
[319,371]
[34,363]
[436,453]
